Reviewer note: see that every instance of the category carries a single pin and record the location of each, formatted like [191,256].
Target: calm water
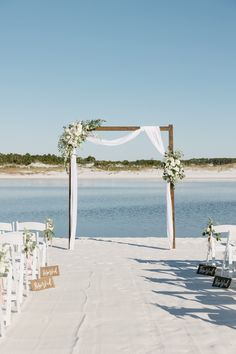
[119,207]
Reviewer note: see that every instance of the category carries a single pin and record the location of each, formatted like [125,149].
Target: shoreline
[87,173]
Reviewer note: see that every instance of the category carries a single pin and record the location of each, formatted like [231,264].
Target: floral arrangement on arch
[29,243]
[4,262]
[73,136]
[173,169]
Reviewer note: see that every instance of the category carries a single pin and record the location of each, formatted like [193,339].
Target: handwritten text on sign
[49,271]
[221,282]
[206,270]
[42,284]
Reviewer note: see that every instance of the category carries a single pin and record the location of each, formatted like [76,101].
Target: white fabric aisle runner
[154,134]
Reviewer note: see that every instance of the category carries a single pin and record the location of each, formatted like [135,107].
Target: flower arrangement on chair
[49,230]
[29,243]
[209,231]
[212,236]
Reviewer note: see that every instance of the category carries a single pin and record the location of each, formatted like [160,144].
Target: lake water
[119,208]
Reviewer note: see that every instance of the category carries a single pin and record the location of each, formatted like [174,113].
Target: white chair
[6,227]
[14,240]
[38,228]
[223,250]
[6,307]
[230,250]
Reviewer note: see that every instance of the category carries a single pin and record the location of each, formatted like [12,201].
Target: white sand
[130,296]
[87,173]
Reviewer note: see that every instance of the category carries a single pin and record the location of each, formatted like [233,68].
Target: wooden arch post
[168,128]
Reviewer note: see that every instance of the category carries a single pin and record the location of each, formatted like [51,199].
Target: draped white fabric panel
[154,135]
[73,200]
[115,142]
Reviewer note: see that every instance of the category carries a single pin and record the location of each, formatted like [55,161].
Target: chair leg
[230,260]
[9,297]
[2,326]
[20,282]
[34,264]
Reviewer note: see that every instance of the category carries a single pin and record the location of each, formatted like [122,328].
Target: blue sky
[130,62]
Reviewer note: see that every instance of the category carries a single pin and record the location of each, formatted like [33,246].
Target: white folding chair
[38,228]
[223,250]
[6,307]
[17,258]
[230,250]
[8,296]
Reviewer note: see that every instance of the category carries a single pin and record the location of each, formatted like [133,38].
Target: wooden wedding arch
[168,128]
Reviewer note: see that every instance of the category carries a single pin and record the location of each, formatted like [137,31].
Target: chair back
[30,225]
[229,229]
[6,227]
[33,226]
[12,238]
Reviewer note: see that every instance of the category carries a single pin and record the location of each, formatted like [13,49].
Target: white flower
[173,169]
[74,135]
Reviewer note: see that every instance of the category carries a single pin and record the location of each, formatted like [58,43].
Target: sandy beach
[88,173]
[126,295]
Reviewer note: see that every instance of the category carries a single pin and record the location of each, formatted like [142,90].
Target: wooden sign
[42,283]
[221,282]
[49,271]
[206,269]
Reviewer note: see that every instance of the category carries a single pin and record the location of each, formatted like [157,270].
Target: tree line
[51,159]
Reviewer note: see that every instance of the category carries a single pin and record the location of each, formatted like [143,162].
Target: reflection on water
[113,207]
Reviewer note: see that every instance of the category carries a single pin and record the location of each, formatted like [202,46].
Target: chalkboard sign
[206,269]
[221,282]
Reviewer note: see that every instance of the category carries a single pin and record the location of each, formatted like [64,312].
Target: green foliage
[216,161]
[51,159]
[29,243]
[49,230]
[27,159]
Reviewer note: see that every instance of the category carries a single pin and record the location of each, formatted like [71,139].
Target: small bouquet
[49,230]
[209,231]
[29,243]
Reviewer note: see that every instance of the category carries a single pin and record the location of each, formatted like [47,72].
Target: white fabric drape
[115,142]
[154,134]
[73,200]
